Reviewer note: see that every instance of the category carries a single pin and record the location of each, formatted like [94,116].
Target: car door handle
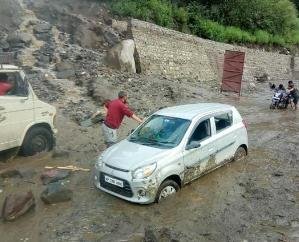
[2,108]
[211,149]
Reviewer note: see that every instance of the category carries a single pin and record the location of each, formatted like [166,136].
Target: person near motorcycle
[293,91]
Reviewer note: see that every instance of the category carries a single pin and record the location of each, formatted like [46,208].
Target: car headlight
[144,172]
[99,163]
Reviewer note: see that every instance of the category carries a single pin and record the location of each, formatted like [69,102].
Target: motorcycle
[280,100]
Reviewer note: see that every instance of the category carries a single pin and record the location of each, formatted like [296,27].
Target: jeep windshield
[161,132]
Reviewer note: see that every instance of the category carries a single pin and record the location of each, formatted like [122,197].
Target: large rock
[19,39]
[54,175]
[42,27]
[121,56]
[55,193]
[16,205]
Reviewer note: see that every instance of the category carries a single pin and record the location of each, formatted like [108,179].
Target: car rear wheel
[37,140]
[166,189]
[240,153]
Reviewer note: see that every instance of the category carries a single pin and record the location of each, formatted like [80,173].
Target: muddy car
[171,148]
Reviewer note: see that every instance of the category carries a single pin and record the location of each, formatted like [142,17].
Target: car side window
[223,121]
[202,131]
[12,84]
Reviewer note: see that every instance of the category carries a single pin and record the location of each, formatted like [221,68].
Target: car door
[16,113]
[200,150]
[225,136]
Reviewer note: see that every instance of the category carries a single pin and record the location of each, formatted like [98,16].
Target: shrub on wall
[270,22]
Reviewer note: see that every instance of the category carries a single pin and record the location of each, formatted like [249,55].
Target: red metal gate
[233,71]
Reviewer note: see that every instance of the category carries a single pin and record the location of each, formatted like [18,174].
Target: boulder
[55,193]
[121,56]
[19,39]
[16,205]
[54,175]
[42,27]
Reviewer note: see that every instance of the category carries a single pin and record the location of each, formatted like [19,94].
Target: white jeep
[25,121]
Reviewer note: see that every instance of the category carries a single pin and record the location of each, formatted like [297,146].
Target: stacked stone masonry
[178,55]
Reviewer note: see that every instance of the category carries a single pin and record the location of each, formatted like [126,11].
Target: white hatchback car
[171,148]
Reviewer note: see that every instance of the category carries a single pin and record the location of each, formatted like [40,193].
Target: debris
[10,173]
[15,205]
[72,168]
[54,175]
[55,193]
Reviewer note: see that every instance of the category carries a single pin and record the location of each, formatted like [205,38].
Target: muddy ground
[251,200]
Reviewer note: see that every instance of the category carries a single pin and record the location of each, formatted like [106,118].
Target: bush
[262,37]
[272,22]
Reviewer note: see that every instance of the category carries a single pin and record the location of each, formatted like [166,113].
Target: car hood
[129,156]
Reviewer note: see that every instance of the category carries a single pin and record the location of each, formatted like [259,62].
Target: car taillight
[245,124]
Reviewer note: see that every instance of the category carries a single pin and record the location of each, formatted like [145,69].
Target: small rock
[10,173]
[16,205]
[60,154]
[54,175]
[55,193]
[149,235]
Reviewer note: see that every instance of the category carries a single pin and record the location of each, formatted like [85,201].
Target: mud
[255,199]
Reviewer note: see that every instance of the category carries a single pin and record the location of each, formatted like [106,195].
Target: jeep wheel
[37,140]
[166,189]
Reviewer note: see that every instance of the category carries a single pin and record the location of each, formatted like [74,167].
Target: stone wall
[177,55]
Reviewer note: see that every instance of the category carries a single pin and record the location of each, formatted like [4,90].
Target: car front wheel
[166,189]
[37,140]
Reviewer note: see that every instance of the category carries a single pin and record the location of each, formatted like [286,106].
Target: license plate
[114,181]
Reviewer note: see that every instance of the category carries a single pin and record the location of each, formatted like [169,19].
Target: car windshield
[161,131]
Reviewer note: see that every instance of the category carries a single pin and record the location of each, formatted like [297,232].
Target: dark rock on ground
[10,173]
[15,205]
[42,27]
[160,235]
[55,193]
[54,175]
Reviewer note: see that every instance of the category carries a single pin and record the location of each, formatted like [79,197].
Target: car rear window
[223,121]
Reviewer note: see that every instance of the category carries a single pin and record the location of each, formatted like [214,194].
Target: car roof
[191,111]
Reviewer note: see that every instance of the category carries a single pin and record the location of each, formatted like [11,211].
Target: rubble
[16,205]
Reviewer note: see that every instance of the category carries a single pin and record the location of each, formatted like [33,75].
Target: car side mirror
[193,145]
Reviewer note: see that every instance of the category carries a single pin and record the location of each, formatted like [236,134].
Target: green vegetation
[264,22]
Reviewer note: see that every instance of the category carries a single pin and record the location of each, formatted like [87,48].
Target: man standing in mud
[116,110]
